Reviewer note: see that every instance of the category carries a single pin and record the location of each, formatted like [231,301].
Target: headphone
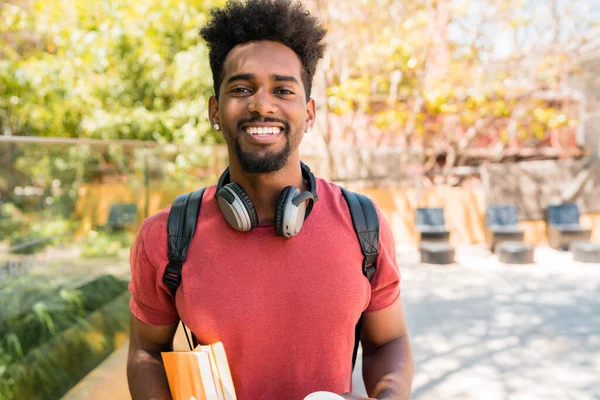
[290,213]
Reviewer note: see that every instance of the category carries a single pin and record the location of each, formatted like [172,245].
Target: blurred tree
[451,75]
[106,70]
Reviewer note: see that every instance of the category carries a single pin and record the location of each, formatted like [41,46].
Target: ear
[213,111]
[311,113]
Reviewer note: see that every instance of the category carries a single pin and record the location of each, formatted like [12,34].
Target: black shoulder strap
[181,227]
[366,225]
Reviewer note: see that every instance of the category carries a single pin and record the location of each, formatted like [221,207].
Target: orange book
[190,375]
[202,374]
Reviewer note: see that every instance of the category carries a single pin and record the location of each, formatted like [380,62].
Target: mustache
[262,120]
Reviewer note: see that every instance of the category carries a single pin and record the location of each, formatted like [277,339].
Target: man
[284,307]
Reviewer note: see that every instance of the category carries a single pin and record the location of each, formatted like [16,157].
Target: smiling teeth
[263,131]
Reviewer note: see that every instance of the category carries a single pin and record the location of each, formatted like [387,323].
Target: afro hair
[281,21]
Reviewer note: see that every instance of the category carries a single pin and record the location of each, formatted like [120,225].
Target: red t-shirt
[285,309]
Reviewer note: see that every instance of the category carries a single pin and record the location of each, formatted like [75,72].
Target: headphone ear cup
[240,206]
[246,202]
[285,198]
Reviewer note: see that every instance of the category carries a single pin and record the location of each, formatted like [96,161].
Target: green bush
[41,234]
[106,244]
[18,295]
[50,370]
[54,312]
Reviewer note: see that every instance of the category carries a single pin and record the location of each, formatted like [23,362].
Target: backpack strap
[366,225]
[180,227]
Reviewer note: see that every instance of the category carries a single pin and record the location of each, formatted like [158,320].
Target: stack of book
[202,374]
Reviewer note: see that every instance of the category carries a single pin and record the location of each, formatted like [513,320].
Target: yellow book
[223,368]
[215,370]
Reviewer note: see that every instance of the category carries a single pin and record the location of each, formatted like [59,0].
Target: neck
[264,189]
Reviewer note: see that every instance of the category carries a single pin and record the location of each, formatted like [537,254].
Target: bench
[502,222]
[430,222]
[563,228]
[437,253]
[121,215]
[434,247]
[515,252]
[586,252]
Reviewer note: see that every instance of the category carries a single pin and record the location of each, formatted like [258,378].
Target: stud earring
[308,129]
[216,126]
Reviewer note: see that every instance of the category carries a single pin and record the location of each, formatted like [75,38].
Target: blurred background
[424,104]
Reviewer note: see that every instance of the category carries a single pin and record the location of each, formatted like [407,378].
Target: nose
[261,103]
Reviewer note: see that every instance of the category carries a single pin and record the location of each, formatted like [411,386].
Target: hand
[352,396]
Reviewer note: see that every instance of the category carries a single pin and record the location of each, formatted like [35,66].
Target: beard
[270,161]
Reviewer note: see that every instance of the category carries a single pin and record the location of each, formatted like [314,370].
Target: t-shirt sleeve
[150,301]
[385,286]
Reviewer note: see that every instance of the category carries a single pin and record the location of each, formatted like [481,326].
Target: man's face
[262,107]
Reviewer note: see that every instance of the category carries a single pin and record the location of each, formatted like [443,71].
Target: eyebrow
[240,77]
[284,78]
[249,77]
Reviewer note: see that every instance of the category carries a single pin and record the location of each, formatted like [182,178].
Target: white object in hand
[323,396]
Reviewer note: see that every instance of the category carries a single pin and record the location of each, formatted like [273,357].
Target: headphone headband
[312,187]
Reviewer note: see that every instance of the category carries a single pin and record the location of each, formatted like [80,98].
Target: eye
[239,90]
[284,92]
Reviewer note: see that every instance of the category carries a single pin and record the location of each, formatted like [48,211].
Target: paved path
[484,330]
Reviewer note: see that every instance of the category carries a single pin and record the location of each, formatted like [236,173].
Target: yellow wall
[95,199]
[464,209]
